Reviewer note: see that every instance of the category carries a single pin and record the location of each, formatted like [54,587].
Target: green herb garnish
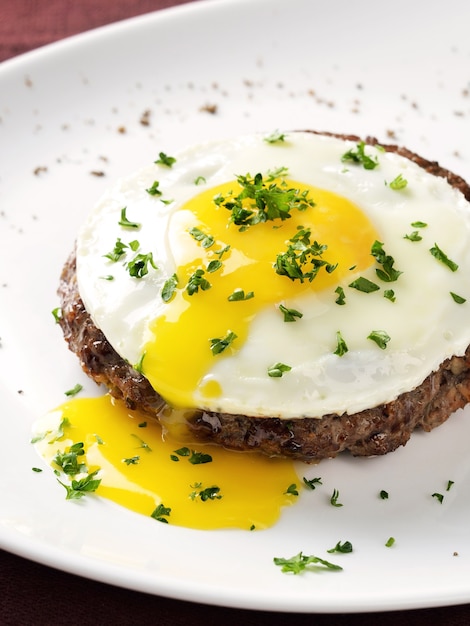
[79,488]
[292,490]
[278,369]
[125,222]
[205,240]
[303,259]
[73,392]
[344,548]
[398,183]
[138,266]
[290,315]
[457,298]
[413,236]
[341,299]
[359,156]
[219,344]
[390,541]
[334,498]
[364,284]
[312,482]
[133,460]
[387,273]
[341,347]
[260,202]
[301,562]
[209,493]
[154,190]
[161,513]
[196,282]
[443,258]
[169,288]
[164,159]
[275,137]
[57,314]
[380,337]
[239,295]
[69,461]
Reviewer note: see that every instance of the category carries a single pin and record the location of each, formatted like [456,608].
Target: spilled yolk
[140,470]
[179,354]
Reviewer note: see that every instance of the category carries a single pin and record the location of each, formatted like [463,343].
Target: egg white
[425,324]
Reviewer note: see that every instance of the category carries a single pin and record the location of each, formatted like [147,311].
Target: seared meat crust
[371,432]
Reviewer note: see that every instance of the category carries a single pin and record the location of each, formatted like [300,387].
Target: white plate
[353,67]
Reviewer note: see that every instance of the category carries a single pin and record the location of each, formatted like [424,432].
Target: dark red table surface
[31,593]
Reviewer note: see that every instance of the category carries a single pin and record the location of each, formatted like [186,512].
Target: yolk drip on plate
[202,486]
[221,258]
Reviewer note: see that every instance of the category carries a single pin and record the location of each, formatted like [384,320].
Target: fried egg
[291,275]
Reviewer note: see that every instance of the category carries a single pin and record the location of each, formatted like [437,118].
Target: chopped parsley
[301,562]
[199,180]
[199,458]
[312,482]
[143,444]
[278,369]
[154,190]
[443,258]
[197,281]
[439,497]
[390,295]
[138,266]
[341,299]
[341,347]
[290,315]
[164,159]
[57,314]
[139,366]
[69,461]
[359,156]
[398,183]
[383,494]
[418,224]
[279,172]
[239,295]
[343,548]
[161,513]
[387,273]
[390,541]
[303,259]
[219,344]
[457,298]
[413,236]
[334,498]
[380,337]
[268,201]
[292,490]
[205,240]
[133,460]
[169,288]
[214,265]
[125,222]
[364,284]
[275,137]
[79,488]
[73,392]
[209,493]
[118,251]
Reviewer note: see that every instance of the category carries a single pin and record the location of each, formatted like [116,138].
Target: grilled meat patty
[374,431]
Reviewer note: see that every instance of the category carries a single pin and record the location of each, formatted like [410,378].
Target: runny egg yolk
[163,478]
[179,354]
